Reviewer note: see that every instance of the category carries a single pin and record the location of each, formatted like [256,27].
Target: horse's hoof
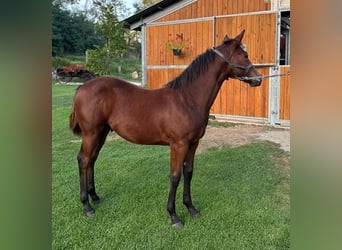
[178,225]
[89,213]
[96,201]
[196,215]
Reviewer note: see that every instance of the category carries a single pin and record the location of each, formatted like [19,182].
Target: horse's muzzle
[255,82]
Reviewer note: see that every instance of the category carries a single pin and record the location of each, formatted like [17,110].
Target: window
[284,38]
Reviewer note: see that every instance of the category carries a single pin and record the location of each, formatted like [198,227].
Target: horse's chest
[196,133]
[201,132]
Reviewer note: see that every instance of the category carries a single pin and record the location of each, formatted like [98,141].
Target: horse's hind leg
[90,147]
[187,173]
[178,152]
[90,172]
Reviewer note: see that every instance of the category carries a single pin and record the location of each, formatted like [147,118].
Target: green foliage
[72,33]
[65,2]
[242,194]
[99,61]
[143,4]
[59,62]
[104,37]
[75,59]
[66,60]
[113,31]
[127,65]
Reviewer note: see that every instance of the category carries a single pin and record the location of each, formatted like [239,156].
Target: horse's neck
[205,89]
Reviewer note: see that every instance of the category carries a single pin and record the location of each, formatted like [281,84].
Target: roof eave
[135,21]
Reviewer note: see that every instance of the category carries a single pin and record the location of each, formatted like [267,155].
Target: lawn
[242,194]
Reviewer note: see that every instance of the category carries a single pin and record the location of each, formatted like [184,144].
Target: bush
[59,62]
[99,61]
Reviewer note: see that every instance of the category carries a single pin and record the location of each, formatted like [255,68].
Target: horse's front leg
[187,173]
[178,152]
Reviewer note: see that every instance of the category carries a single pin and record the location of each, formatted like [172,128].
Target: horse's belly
[136,135]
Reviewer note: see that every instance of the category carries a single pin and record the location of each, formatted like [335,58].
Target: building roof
[159,6]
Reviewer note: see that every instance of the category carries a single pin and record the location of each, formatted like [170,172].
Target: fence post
[274,97]
[143,56]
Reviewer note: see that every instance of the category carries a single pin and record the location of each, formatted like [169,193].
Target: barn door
[237,99]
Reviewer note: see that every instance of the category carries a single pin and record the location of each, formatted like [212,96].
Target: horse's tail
[73,125]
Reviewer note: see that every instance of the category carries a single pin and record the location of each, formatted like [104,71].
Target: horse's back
[114,101]
[100,85]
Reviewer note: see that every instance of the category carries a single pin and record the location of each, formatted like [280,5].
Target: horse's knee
[175,178]
[188,166]
[83,160]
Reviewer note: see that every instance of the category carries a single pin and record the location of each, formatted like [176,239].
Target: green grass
[242,194]
[222,124]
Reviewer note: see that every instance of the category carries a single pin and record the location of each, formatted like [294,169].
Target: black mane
[193,71]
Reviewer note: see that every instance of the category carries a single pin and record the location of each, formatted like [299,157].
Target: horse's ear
[225,39]
[240,36]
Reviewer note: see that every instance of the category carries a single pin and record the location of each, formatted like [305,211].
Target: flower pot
[177,52]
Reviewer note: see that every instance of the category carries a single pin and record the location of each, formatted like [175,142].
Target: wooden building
[202,24]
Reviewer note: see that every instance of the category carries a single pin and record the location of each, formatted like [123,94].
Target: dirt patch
[242,134]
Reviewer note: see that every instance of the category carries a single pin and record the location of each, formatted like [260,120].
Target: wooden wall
[285,100]
[195,42]
[239,99]
[198,36]
[208,8]
[259,36]
[157,78]
[235,98]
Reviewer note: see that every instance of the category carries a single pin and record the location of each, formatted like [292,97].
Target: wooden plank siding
[285,91]
[195,42]
[157,78]
[206,8]
[259,36]
[204,24]
[239,99]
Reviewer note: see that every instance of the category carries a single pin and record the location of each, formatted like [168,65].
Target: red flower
[179,36]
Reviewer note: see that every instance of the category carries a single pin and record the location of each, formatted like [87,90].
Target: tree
[64,2]
[72,33]
[59,19]
[140,5]
[109,26]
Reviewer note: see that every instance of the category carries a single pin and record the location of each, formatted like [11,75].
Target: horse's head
[239,66]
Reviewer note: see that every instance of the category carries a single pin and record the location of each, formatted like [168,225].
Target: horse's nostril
[255,82]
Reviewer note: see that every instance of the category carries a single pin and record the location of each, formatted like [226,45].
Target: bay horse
[175,115]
